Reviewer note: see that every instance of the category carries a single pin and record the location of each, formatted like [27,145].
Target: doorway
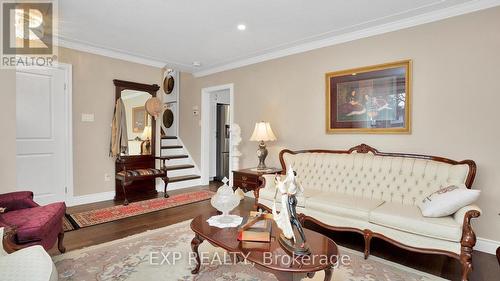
[216,119]
[43,133]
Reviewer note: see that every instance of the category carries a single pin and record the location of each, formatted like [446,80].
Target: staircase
[181,170]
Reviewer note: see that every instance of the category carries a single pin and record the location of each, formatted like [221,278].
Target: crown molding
[433,16]
[117,54]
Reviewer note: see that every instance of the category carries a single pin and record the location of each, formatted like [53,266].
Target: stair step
[168,137]
[170,157]
[183,178]
[179,167]
[171,146]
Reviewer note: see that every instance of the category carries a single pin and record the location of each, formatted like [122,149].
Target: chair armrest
[8,240]
[461,214]
[17,200]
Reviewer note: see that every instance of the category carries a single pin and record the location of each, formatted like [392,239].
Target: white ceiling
[178,32]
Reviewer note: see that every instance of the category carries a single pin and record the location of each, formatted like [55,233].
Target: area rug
[136,258]
[67,225]
[94,217]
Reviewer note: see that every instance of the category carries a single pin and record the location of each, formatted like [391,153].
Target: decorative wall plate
[168,84]
[168,118]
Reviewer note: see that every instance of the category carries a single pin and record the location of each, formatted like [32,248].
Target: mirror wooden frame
[131,162]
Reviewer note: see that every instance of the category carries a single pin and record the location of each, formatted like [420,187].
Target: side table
[252,180]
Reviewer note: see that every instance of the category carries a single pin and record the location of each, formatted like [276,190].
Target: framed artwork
[139,119]
[374,99]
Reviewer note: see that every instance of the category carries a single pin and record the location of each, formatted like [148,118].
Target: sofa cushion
[34,224]
[268,194]
[409,218]
[343,205]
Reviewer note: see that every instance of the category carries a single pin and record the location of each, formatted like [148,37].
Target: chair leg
[165,181]
[124,185]
[368,235]
[60,239]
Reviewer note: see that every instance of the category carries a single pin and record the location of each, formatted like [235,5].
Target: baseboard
[90,198]
[487,245]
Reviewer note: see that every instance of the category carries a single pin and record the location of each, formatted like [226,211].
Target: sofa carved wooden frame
[468,240]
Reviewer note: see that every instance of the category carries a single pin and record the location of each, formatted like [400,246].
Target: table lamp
[146,141]
[262,133]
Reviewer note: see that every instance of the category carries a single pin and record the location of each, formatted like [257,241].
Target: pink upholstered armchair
[34,224]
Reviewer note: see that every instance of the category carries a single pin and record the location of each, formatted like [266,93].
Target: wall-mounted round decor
[153,107]
[168,84]
[168,118]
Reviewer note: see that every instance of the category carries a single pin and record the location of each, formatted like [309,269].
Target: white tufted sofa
[376,194]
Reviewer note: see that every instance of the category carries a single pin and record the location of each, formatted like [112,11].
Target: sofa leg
[466,261]
[60,239]
[467,242]
[368,235]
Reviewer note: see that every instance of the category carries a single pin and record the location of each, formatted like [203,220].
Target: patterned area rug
[67,225]
[130,259]
[94,217]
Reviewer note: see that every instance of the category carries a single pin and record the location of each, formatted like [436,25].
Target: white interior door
[42,137]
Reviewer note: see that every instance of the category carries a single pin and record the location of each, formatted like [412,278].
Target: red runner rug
[94,217]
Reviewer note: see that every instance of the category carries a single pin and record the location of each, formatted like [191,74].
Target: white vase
[224,201]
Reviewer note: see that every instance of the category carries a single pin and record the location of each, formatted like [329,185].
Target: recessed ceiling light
[242,26]
[196,63]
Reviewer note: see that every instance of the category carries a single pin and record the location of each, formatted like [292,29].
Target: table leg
[195,243]
[328,274]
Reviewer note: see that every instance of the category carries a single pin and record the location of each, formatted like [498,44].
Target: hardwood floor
[486,267]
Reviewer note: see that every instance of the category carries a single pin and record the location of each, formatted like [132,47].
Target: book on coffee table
[257,231]
[255,246]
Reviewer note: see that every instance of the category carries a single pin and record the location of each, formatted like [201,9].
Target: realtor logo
[28,34]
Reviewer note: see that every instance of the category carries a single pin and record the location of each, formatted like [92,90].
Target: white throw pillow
[447,201]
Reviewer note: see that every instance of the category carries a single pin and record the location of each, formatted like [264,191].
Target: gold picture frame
[139,119]
[370,100]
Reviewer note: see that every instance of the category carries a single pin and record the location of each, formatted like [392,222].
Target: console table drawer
[245,178]
[245,184]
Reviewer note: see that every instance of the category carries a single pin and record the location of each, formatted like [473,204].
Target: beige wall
[94,92]
[8,129]
[456,96]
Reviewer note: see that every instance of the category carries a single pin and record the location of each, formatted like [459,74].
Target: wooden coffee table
[322,248]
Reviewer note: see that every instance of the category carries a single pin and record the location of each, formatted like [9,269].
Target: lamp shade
[263,132]
[146,134]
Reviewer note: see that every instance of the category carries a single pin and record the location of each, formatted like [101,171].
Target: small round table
[324,251]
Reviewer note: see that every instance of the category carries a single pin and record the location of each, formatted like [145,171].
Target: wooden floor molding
[486,266]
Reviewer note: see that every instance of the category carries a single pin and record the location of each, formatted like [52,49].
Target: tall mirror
[138,122]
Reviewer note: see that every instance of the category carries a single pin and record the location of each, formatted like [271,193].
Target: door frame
[206,111]
[68,89]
